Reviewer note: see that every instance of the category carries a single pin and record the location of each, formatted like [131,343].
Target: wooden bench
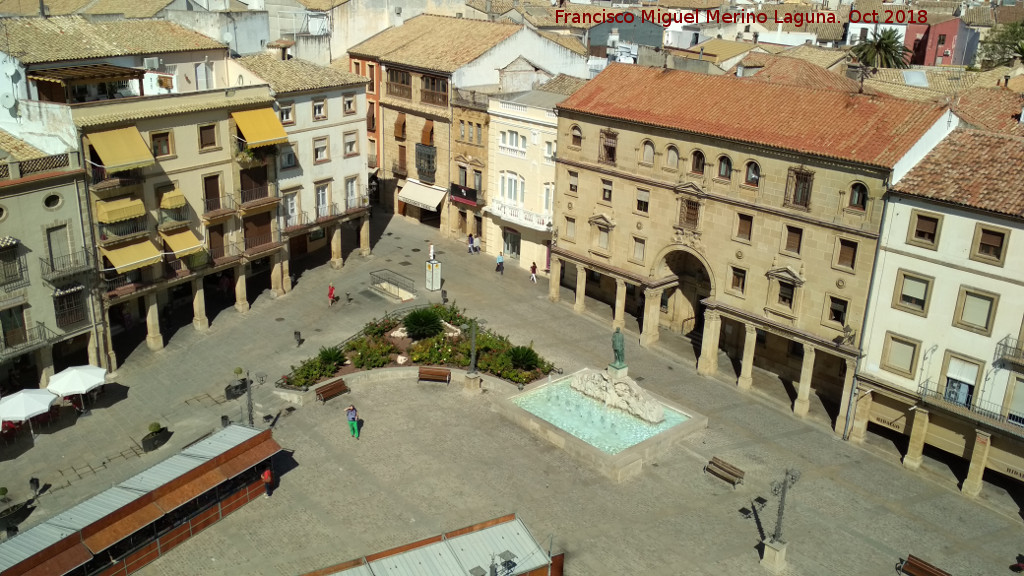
[328,391]
[725,471]
[914,566]
[434,374]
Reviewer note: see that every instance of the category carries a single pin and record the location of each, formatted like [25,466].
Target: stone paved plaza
[434,458]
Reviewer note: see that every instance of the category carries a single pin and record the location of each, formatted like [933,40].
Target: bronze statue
[619,347]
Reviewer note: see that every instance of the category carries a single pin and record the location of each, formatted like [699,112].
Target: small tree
[3,495]
[155,427]
[1002,45]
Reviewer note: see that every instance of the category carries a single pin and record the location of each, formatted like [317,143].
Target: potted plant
[157,437]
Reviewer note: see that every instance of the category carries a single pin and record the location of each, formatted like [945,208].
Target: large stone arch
[687,278]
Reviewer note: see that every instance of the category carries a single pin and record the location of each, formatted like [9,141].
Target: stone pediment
[469,160]
[602,220]
[786,274]
[689,188]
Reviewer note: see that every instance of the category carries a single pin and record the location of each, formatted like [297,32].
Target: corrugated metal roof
[429,560]
[29,543]
[155,477]
[220,442]
[477,548]
[93,509]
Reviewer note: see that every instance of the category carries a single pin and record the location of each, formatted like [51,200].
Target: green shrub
[523,357]
[381,327]
[155,427]
[371,352]
[451,314]
[331,355]
[423,323]
[437,350]
[312,371]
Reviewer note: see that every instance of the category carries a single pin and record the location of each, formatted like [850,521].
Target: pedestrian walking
[268,482]
[353,421]
[469,244]
[476,244]
[500,268]
[330,294]
[533,273]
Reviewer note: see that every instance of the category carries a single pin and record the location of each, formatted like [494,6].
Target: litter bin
[225,421]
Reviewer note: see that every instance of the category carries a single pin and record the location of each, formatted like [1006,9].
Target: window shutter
[901,355]
[427,136]
[744,228]
[976,310]
[790,185]
[926,226]
[400,126]
[991,238]
[915,288]
[962,371]
[643,195]
[793,239]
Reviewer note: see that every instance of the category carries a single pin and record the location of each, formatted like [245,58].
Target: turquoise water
[608,429]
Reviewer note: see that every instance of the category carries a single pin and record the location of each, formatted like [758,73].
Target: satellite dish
[7,100]
[9,68]
[228,37]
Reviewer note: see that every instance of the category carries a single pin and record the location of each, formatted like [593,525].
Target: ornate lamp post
[775,549]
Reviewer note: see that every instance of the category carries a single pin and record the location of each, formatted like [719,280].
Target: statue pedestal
[617,371]
[774,559]
[472,382]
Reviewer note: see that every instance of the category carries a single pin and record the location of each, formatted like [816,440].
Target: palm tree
[1018,50]
[884,49]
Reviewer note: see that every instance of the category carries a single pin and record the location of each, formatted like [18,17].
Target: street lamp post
[472,327]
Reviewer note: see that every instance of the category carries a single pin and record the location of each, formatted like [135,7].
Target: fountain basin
[613,442]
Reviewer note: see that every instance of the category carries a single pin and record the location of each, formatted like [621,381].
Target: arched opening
[681,309]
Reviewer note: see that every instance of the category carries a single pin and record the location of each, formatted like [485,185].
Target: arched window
[858,196]
[648,153]
[753,174]
[577,136]
[697,166]
[672,158]
[725,168]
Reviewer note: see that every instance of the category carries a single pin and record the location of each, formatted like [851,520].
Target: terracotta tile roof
[544,15]
[832,32]
[14,148]
[120,111]
[944,174]
[298,75]
[435,42]
[979,16]
[130,8]
[38,40]
[992,109]
[1009,14]
[795,72]
[344,63]
[823,57]
[566,40]
[860,128]
[773,48]
[716,50]
[503,6]
[563,84]
[945,79]
[688,4]
[906,92]
[996,76]
[936,7]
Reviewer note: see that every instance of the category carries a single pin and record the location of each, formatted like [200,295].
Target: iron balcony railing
[172,217]
[399,169]
[260,243]
[297,220]
[186,265]
[973,408]
[325,211]
[67,265]
[100,175]
[356,202]
[122,283]
[255,194]
[14,272]
[219,204]
[434,97]
[73,316]
[400,90]
[20,340]
[225,252]
[124,229]
[1010,349]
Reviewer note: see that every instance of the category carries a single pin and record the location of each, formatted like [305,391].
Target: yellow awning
[261,127]
[183,242]
[173,199]
[110,211]
[122,149]
[132,256]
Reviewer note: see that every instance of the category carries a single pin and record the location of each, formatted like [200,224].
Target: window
[989,245]
[639,246]
[513,188]
[924,230]
[794,237]
[286,114]
[549,151]
[371,72]
[478,180]
[799,189]
[69,306]
[208,137]
[322,190]
[351,193]
[400,126]
[847,254]
[745,227]
[648,157]
[401,158]
[858,196]
[513,139]
[739,280]
[470,131]
[463,174]
[577,136]
[479,135]
[570,228]
[724,168]
[672,158]
[899,355]
[753,174]
[602,237]
[961,380]
[462,129]
[357,68]
[837,310]
[348,105]
[863,34]
[320,150]
[350,144]
[942,40]
[975,311]
[786,292]
[549,197]
[288,156]
[371,118]
[689,214]
[399,84]
[606,190]
[697,163]
[609,141]
[1015,412]
[574,181]
[643,200]
[319,109]
[435,91]
[161,143]
[912,293]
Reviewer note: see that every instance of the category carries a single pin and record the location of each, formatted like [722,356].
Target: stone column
[199,319]
[707,364]
[652,317]
[803,392]
[364,236]
[46,365]
[276,275]
[619,320]
[581,289]
[286,275]
[676,306]
[918,434]
[746,379]
[336,260]
[844,400]
[109,336]
[861,417]
[555,280]
[241,300]
[95,337]
[154,339]
[979,459]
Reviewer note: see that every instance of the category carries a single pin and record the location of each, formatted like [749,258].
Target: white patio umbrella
[26,404]
[77,380]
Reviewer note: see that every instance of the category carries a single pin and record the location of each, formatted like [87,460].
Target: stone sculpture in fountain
[616,389]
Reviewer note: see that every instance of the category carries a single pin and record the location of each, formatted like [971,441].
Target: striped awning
[110,211]
[261,127]
[132,256]
[182,242]
[173,199]
[122,149]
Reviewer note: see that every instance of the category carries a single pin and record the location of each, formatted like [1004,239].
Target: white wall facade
[949,269]
[243,32]
[526,43]
[943,127]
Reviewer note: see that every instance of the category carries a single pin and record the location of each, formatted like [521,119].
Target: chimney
[42,9]
[755,37]
[1006,81]
[701,56]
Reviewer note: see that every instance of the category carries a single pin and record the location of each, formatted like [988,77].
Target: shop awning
[132,256]
[122,528]
[183,242]
[261,127]
[110,211]
[421,195]
[173,199]
[122,149]
[249,458]
[187,492]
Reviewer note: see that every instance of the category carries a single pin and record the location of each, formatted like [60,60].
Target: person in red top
[330,295]
[268,482]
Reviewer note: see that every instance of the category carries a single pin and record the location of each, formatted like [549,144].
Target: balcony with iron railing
[171,218]
[124,230]
[400,90]
[399,169]
[218,207]
[297,221]
[21,340]
[258,245]
[973,408]
[13,271]
[101,179]
[258,196]
[434,97]
[353,203]
[117,285]
[72,316]
[56,267]
[228,252]
[175,268]
[1010,350]
[324,212]
[518,215]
